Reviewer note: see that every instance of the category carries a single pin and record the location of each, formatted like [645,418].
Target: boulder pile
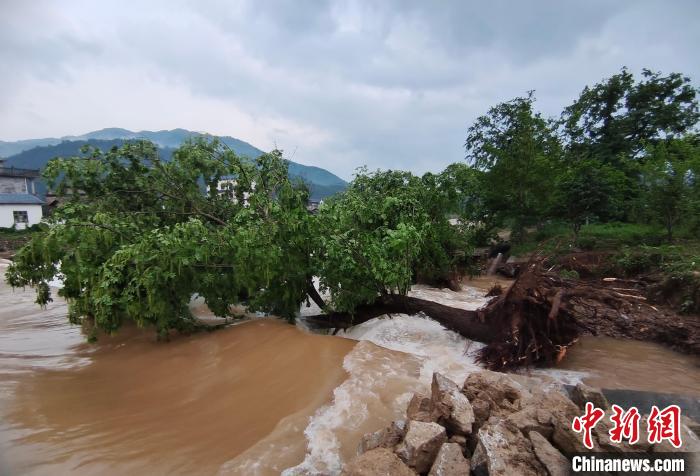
[495,424]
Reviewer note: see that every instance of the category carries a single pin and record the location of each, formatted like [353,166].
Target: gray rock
[450,462]
[533,418]
[556,463]
[420,408]
[421,444]
[690,443]
[461,440]
[451,406]
[492,393]
[503,451]
[582,393]
[693,425]
[377,462]
[385,438]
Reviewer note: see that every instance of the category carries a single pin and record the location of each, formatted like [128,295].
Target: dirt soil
[643,307]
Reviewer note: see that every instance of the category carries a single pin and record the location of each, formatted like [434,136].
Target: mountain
[34,153]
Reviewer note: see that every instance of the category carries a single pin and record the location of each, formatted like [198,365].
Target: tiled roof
[19,199]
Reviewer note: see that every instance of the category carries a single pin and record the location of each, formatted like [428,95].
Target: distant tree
[587,190]
[517,151]
[671,190]
[613,120]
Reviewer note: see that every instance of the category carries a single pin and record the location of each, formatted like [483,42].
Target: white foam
[439,349]
[381,382]
[377,389]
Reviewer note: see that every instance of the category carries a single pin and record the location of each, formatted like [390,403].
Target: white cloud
[389,84]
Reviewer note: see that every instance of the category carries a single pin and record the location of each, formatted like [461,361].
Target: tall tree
[612,121]
[517,150]
[587,190]
[670,182]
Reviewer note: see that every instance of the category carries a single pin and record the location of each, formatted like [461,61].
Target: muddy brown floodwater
[128,403]
[258,398]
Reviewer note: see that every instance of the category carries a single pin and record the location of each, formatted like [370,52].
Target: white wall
[7,219]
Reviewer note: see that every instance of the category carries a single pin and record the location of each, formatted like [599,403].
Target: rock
[690,443]
[385,438]
[492,393]
[503,451]
[450,462]
[693,425]
[461,440]
[451,406]
[555,402]
[568,441]
[533,418]
[563,412]
[421,444]
[420,408]
[582,393]
[556,463]
[377,462]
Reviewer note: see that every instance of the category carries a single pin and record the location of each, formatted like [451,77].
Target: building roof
[20,199]
[16,172]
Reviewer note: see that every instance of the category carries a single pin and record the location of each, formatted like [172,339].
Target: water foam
[395,356]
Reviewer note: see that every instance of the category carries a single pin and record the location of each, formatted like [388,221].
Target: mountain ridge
[34,153]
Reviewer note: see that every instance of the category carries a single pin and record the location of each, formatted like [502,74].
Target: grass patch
[13,233]
[557,238]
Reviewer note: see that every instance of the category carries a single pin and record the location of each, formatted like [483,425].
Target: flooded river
[261,397]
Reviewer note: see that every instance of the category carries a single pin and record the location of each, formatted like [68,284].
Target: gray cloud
[336,84]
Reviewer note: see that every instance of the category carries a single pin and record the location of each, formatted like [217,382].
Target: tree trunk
[533,323]
[466,323]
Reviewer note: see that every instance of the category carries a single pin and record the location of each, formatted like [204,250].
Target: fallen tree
[537,318]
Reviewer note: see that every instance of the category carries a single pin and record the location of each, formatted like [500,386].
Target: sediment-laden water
[261,397]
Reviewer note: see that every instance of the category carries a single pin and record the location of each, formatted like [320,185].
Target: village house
[19,205]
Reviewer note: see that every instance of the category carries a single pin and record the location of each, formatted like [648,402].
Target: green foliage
[671,182]
[613,120]
[569,274]
[518,152]
[588,191]
[383,230]
[137,237]
[676,260]
[557,237]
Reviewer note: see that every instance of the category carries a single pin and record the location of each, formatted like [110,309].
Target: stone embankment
[496,425]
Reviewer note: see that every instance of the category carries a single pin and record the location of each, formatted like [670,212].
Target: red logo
[626,425]
[665,425]
[587,422]
[661,425]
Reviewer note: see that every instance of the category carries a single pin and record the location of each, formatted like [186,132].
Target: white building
[19,205]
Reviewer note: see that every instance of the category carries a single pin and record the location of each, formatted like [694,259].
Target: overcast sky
[390,84]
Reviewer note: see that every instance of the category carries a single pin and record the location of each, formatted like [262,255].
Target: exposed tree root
[538,318]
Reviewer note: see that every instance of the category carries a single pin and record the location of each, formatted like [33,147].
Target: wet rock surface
[503,450]
[497,424]
[450,461]
[554,462]
[421,445]
[451,406]
[385,438]
[377,462]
